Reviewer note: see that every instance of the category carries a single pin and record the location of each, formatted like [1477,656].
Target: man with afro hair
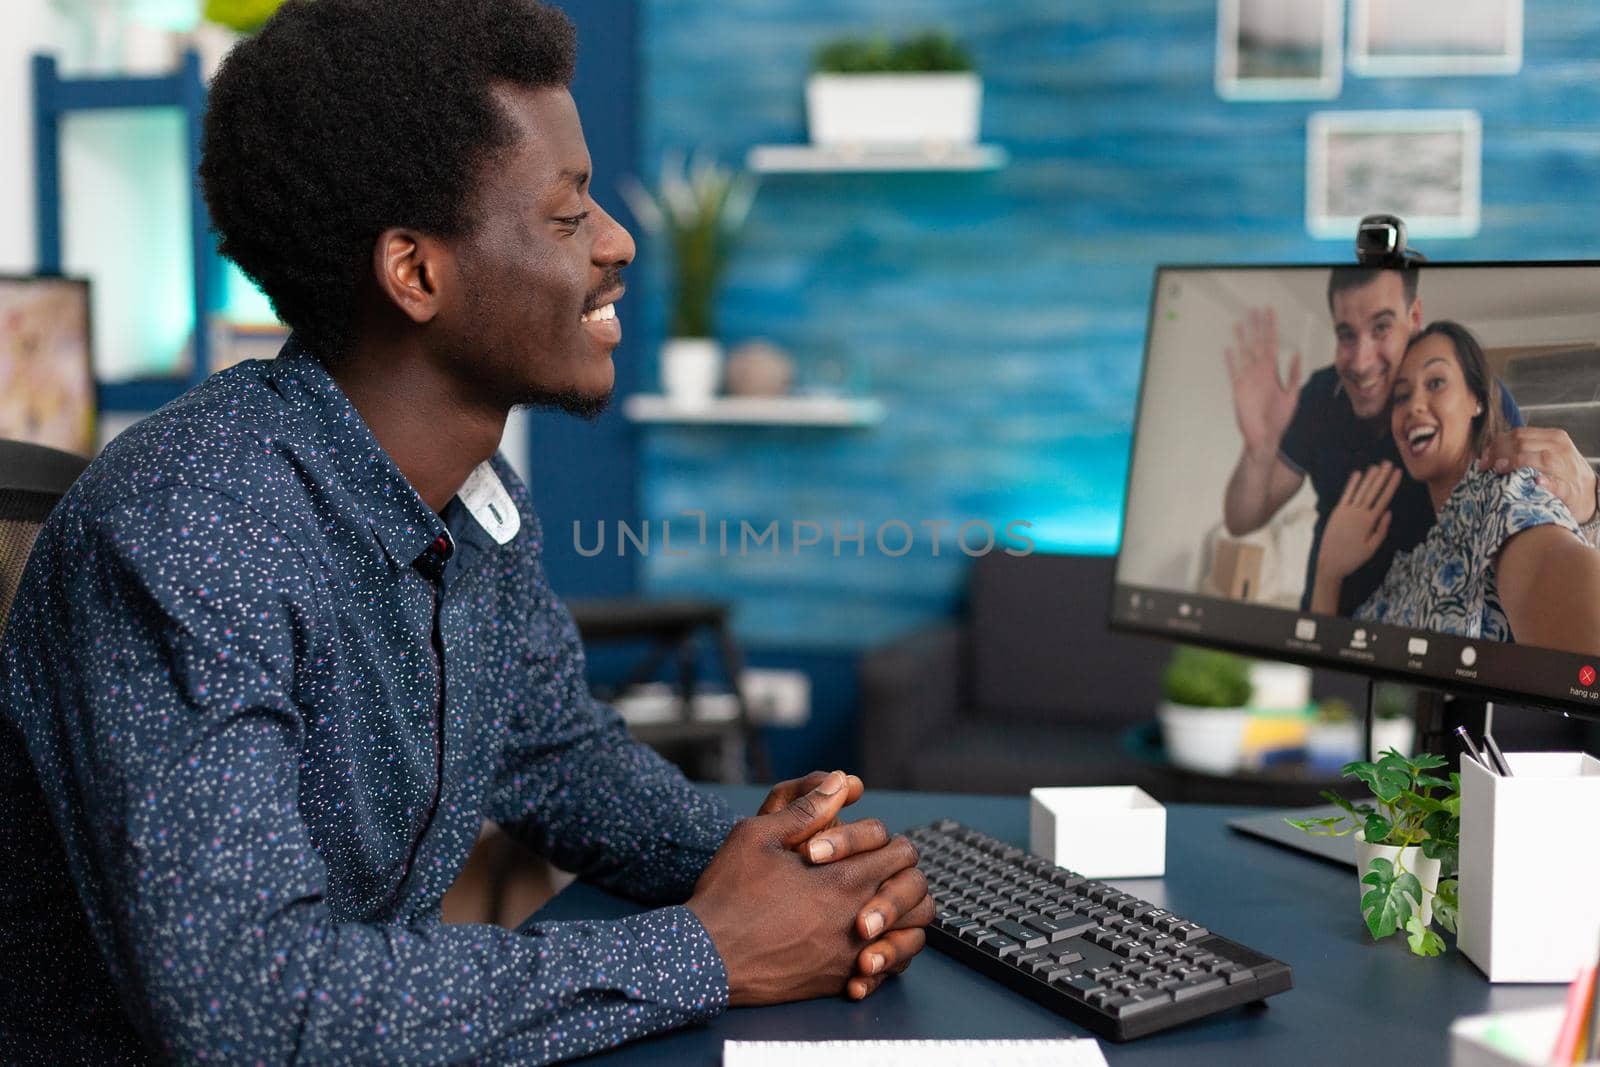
[288,641]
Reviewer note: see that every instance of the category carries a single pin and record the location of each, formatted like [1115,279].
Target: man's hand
[1355,529]
[786,928]
[1562,468]
[1263,403]
[902,905]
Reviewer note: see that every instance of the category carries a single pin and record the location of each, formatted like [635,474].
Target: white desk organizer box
[1530,907]
[1100,831]
[1507,1039]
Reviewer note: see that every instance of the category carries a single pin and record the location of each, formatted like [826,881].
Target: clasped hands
[800,904]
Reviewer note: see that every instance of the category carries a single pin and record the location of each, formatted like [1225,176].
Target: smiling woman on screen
[1505,560]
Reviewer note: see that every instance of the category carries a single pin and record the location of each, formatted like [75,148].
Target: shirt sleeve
[1296,448]
[575,787]
[178,759]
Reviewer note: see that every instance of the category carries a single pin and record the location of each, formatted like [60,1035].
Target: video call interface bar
[1523,674]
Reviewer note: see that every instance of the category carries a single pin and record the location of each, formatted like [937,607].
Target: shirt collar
[401,520]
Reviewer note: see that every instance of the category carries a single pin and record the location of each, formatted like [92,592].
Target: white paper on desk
[1075,1052]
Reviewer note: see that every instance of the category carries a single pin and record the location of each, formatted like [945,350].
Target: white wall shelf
[819,411]
[814,159]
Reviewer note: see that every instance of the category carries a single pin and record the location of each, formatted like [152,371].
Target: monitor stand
[1437,714]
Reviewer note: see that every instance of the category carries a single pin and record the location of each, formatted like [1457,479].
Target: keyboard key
[1199,985]
[998,945]
[1026,937]
[1190,932]
[1141,1002]
[1235,973]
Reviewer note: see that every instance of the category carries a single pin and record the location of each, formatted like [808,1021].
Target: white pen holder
[1530,867]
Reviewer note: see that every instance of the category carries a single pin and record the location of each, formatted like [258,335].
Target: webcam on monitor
[1381,242]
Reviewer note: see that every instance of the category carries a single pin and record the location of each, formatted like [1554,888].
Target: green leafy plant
[1414,808]
[246,16]
[1205,678]
[700,208]
[1335,710]
[934,52]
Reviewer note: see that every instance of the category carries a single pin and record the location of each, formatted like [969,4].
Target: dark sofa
[1031,688]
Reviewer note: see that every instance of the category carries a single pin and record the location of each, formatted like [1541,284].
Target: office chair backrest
[32,479]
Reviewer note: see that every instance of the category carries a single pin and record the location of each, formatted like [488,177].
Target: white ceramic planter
[691,369]
[1399,734]
[1333,744]
[1210,740]
[863,110]
[1425,870]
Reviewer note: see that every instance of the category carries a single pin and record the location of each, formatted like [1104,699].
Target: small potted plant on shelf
[223,22]
[867,92]
[1205,709]
[1406,846]
[699,208]
[1334,736]
[1393,719]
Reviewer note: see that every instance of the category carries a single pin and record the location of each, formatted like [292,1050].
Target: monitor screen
[1306,484]
[46,376]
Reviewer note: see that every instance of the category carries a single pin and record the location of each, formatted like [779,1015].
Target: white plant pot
[1412,859]
[863,110]
[1399,734]
[1204,739]
[1333,744]
[691,369]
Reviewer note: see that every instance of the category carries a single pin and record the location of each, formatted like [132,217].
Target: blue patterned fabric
[1446,583]
[235,781]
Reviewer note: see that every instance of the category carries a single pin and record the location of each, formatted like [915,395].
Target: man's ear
[1416,316]
[411,269]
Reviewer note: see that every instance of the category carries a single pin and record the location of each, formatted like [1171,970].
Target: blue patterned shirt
[1447,582]
[252,724]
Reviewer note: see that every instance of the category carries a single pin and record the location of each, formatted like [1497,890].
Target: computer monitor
[47,392]
[1319,357]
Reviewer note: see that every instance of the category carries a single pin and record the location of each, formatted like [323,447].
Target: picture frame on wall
[1280,49]
[1425,166]
[1399,38]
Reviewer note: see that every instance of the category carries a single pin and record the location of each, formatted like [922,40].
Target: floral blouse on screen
[1446,583]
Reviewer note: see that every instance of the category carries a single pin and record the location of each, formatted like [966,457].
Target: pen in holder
[1530,872]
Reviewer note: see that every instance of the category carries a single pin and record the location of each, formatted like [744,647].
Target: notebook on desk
[1074,1052]
[1271,827]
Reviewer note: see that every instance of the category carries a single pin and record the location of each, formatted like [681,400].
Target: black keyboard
[1105,959]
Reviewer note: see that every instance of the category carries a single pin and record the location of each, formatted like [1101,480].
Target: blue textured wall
[1001,315]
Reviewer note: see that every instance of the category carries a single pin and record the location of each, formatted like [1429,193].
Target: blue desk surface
[1354,1002]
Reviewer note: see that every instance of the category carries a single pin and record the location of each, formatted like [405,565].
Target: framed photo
[47,392]
[1422,37]
[1280,49]
[1424,166]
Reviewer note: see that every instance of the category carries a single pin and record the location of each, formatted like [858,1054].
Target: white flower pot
[1333,744]
[691,369]
[1412,859]
[1399,734]
[863,110]
[1210,740]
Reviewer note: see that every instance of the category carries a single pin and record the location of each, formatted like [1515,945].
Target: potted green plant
[699,208]
[867,92]
[1334,737]
[1205,709]
[223,22]
[1393,720]
[1406,846]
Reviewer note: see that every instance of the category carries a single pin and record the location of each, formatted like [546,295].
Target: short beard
[588,408]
